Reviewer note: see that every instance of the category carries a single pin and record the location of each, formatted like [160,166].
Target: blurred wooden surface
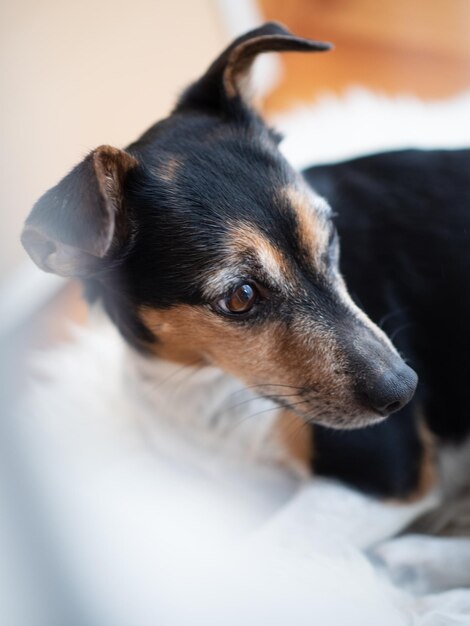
[419,47]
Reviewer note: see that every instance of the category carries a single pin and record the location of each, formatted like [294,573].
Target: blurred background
[75,75]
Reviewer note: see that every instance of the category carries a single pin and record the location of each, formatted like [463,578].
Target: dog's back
[404,222]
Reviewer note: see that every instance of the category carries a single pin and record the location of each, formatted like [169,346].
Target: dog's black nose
[388,392]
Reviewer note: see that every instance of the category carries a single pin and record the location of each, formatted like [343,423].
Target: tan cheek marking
[171,327]
[168,170]
[312,231]
[243,239]
[262,355]
[188,333]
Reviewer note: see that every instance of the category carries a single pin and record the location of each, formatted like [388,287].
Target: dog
[207,248]
[244,366]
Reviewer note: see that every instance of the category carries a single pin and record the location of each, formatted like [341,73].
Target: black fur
[404,223]
[181,224]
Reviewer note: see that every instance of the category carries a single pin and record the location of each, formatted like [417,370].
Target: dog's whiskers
[389,316]
[252,415]
[300,390]
[398,330]
[260,397]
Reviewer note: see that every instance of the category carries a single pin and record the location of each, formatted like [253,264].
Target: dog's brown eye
[241,300]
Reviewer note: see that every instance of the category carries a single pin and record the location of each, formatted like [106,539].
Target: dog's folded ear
[225,79]
[74,225]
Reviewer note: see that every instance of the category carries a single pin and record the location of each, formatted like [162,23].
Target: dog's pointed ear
[73,226]
[225,79]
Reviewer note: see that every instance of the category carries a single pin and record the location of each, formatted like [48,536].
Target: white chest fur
[158,476]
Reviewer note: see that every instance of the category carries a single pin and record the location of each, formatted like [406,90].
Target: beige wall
[78,73]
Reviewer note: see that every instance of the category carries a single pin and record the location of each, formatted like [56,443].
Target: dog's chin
[351,423]
[341,419]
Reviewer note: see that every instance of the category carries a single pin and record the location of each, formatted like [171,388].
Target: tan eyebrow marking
[312,225]
[244,238]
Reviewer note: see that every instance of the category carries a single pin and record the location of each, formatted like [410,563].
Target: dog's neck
[212,410]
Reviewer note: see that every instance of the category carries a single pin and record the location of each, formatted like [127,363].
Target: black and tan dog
[204,245]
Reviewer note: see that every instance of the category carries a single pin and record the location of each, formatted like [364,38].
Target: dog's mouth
[342,409]
[312,407]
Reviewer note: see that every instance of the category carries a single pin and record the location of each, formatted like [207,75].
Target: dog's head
[205,245]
